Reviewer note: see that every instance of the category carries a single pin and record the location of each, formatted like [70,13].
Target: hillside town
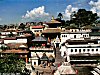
[49,37]
[48,48]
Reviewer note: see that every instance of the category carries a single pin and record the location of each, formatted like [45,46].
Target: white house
[37,29]
[15,40]
[73,36]
[80,47]
[8,32]
[37,53]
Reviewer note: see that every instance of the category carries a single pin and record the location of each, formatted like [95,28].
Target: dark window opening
[75,50]
[74,36]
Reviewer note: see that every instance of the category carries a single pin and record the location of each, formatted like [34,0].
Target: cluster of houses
[38,44]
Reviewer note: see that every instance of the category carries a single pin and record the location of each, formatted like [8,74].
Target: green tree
[5,26]
[11,64]
[60,16]
[22,26]
[4,47]
[11,34]
[83,18]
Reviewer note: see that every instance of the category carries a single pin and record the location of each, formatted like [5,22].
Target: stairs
[59,58]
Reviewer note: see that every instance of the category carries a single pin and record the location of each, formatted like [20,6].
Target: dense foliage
[83,17]
[80,18]
[11,64]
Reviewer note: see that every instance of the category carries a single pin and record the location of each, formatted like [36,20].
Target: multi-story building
[81,50]
[73,36]
[37,29]
[41,51]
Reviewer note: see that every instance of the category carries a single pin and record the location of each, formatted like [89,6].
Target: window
[62,35]
[83,50]
[36,30]
[79,50]
[71,50]
[66,35]
[85,35]
[34,63]
[92,49]
[88,49]
[75,50]
[96,49]
[74,36]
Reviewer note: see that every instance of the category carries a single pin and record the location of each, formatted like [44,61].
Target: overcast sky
[16,11]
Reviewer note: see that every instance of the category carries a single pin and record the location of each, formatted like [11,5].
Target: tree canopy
[11,64]
[11,34]
[83,17]
[22,26]
[59,18]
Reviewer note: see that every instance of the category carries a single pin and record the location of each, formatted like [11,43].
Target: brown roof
[15,45]
[86,41]
[15,51]
[10,38]
[87,27]
[53,21]
[36,27]
[28,35]
[1,40]
[52,30]
[10,30]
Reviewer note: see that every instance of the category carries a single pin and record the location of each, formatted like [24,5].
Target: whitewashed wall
[6,33]
[80,50]
[35,30]
[66,36]
[15,41]
[83,50]
[34,60]
[95,37]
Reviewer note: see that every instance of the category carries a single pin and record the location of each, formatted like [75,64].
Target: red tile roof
[36,27]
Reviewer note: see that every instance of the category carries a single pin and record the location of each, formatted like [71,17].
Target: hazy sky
[16,11]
